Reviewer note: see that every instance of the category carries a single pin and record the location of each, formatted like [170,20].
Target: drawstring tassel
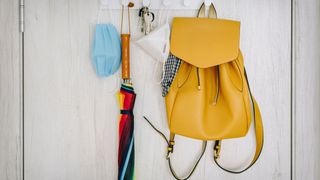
[215,100]
[199,86]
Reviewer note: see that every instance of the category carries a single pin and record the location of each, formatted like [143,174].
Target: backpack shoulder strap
[259,135]
[171,143]
[170,150]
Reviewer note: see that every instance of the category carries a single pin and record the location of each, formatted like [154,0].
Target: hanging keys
[146,19]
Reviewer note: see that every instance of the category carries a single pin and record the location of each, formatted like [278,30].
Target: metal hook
[166,2]
[186,3]
[207,2]
[124,2]
[146,3]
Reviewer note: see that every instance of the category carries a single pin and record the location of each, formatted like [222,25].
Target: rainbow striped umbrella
[126,97]
[126,127]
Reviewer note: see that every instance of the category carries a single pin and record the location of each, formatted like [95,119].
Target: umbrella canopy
[126,125]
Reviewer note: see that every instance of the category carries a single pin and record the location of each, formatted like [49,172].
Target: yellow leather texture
[205,42]
[192,112]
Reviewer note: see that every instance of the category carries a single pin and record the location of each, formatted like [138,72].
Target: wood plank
[71,119]
[10,117]
[307,88]
[265,43]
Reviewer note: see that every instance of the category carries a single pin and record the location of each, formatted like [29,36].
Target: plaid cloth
[170,70]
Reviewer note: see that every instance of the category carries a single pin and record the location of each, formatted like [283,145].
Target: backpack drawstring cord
[198,77]
[215,100]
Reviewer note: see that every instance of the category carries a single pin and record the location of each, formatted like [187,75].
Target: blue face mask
[106,52]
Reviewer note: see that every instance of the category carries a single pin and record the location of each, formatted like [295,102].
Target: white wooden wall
[10,91]
[307,89]
[70,119]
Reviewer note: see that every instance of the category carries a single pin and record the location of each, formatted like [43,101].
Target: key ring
[145,14]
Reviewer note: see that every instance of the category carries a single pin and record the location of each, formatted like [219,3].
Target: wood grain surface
[307,89]
[71,115]
[10,90]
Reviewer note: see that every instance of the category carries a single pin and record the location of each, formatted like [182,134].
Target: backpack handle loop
[202,11]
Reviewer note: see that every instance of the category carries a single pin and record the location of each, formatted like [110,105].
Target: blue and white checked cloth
[171,68]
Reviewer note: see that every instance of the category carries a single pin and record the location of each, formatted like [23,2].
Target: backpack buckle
[216,149]
[170,149]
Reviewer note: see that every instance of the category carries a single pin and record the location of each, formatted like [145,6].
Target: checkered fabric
[170,70]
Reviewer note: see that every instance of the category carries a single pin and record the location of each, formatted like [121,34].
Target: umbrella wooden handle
[125,43]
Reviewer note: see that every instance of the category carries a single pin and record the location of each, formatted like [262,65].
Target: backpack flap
[214,41]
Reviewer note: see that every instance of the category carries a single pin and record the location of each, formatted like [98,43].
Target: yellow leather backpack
[210,98]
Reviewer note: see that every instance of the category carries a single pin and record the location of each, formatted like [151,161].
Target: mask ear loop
[167,35]
[163,9]
[109,14]
[117,78]
[167,11]
[155,67]
[160,14]
[99,14]
[167,15]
